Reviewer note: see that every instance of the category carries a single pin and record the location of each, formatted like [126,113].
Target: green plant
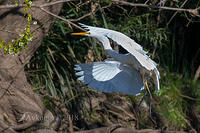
[51,69]
[176,95]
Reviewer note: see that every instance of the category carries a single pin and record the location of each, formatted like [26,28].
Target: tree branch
[41,7]
[55,2]
[191,11]
[176,12]
[63,19]
[35,5]
[4,30]
[194,12]
[89,14]
[197,74]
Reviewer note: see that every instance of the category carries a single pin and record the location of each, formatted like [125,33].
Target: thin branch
[176,12]
[41,7]
[190,98]
[192,11]
[70,20]
[82,17]
[55,2]
[8,31]
[56,16]
[197,74]
[146,2]
[88,14]
[34,5]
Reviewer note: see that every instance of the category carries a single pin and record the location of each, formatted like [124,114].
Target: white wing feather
[127,43]
[110,76]
[156,79]
[123,40]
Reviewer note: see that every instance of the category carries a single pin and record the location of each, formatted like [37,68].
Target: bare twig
[41,7]
[88,14]
[176,13]
[82,17]
[191,11]
[189,19]
[146,2]
[56,16]
[190,98]
[34,5]
[197,74]
[70,21]
[4,30]
[55,2]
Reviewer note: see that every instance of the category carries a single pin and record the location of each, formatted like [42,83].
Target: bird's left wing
[110,76]
[127,43]
[120,38]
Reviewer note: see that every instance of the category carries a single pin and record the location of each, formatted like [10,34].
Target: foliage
[16,46]
[173,106]
[145,31]
[51,69]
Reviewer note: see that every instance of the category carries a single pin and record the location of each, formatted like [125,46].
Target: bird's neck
[107,47]
[119,57]
[106,43]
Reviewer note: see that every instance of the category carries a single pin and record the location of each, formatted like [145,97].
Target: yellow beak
[82,33]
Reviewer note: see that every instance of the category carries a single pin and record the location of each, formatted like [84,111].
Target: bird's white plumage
[125,73]
[127,43]
[116,36]
[156,80]
[105,71]
[110,76]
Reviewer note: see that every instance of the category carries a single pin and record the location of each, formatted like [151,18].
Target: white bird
[125,73]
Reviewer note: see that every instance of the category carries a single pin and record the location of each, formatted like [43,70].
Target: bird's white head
[104,40]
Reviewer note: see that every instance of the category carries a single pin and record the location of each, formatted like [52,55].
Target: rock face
[20,107]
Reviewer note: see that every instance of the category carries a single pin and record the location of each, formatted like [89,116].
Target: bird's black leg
[150,96]
[150,102]
[138,107]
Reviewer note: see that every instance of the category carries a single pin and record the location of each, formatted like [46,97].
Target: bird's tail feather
[156,79]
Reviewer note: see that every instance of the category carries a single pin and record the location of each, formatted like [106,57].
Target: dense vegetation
[173,44]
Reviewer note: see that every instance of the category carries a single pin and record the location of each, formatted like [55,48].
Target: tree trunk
[20,107]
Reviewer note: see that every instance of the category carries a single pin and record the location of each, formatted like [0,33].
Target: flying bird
[124,73]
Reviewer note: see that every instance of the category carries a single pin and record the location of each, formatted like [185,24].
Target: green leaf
[1,43]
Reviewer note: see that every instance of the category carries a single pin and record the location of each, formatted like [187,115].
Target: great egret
[125,73]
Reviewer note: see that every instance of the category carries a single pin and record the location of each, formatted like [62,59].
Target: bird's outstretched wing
[110,76]
[127,43]
[120,38]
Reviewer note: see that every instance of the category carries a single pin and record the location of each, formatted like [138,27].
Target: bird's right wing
[110,76]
